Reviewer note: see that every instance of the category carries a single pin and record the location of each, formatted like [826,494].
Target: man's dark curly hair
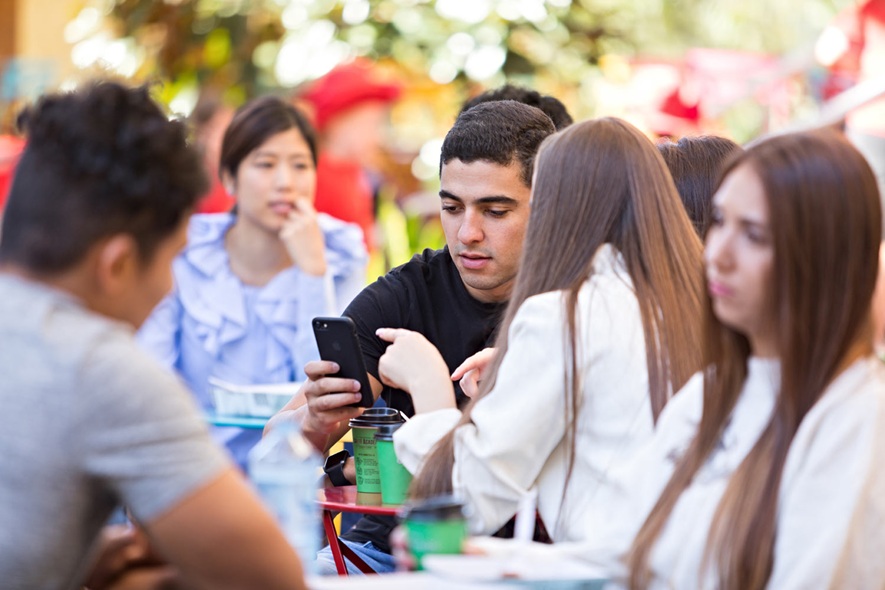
[551,106]
[99,161]
[501,132]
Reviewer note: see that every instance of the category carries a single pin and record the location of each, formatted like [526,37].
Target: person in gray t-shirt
[97,211]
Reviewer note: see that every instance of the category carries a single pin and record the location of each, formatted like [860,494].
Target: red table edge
[345,499]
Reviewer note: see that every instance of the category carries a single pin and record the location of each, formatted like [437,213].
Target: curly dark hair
[99,161]
[501,132]
[551,106]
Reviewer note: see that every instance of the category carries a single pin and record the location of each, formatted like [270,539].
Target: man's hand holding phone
[323,406]
[337,388]
[329,403]
[337,342]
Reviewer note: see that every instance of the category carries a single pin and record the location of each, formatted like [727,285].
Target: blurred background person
[209,121]
[350,106]
[249,282]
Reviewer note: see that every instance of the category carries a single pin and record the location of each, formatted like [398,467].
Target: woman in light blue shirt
[249,282]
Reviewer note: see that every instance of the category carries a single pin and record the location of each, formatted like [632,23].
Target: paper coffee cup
[436,526]
[395,478]
[368,477]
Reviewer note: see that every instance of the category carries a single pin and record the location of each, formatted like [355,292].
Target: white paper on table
[260,400]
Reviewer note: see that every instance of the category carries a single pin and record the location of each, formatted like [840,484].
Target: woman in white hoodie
[600,330]
[781,483]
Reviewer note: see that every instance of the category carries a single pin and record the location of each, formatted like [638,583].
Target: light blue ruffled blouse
[214,325]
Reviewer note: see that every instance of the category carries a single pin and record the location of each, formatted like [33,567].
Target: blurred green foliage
[247,47]
[446,50]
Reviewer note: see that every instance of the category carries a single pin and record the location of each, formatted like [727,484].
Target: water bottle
[284,467]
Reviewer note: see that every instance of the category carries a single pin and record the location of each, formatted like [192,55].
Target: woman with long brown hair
[777,485]
[766,469]
[600,331]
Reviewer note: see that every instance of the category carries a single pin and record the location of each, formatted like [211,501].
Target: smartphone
[337,341]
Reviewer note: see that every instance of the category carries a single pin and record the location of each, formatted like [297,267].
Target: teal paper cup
[368,477]
[395,478]
[435,526]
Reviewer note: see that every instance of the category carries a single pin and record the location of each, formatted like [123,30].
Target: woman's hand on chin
[303,238]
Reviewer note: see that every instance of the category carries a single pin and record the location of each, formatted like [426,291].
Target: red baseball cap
[347,86]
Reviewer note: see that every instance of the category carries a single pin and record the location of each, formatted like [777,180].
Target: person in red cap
[350,105]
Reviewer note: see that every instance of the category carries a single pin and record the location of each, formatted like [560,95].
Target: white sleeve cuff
[415,439]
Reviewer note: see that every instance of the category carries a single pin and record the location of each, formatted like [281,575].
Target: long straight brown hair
[598,182]
[825,220]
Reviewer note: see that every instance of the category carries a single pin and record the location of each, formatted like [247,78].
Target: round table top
[347,499]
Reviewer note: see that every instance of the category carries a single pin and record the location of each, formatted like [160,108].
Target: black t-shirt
[425,295]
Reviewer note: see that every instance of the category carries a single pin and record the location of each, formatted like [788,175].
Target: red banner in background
[10,149]
[679,96]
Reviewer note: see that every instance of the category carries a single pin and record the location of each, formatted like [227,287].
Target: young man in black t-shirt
[454,297]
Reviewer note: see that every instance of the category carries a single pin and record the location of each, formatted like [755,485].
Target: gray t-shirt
[89,421]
